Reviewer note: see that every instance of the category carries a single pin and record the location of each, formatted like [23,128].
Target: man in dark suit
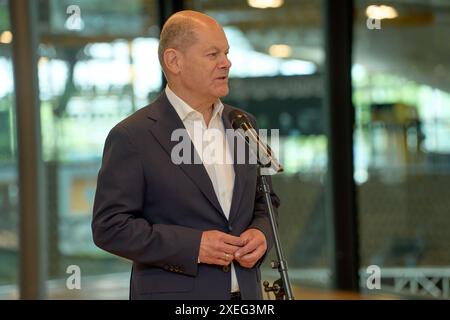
[193,230]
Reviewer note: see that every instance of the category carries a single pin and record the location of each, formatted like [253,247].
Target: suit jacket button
[226,268]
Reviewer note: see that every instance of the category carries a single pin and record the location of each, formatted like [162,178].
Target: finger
[222,256]
[250,247]
[228,248]
[246,264]
[226,256]
[221,262]
[233,240]
[216,261]
[252,257]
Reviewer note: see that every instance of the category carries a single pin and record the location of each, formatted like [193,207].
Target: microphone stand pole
[281,288]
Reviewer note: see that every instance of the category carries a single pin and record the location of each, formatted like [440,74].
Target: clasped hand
[220,248]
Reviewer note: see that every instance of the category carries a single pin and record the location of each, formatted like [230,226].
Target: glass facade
[9,198]
[97,63]
[277,75]
[402,144]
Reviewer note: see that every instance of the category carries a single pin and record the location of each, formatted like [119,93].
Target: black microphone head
[237,118]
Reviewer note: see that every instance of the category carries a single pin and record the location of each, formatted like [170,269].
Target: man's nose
[225,62]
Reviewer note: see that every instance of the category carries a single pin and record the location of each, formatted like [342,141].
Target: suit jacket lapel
[167,120]
[239,169]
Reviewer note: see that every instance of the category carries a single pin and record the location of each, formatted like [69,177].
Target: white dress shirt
[212,147]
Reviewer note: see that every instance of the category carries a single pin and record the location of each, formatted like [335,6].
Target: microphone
[264,154]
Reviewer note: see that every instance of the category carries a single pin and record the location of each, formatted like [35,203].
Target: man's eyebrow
[217,48]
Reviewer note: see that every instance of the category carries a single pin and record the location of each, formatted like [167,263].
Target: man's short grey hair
[177,33]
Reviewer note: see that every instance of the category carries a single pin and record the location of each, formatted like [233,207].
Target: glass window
[278,55]
[9,202]
[97,64]
[401,77]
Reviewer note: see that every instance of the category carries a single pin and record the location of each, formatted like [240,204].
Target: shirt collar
[184,110]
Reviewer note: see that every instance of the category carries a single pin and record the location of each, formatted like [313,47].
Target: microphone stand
[281,288]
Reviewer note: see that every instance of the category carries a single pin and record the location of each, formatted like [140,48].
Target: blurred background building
[96,63]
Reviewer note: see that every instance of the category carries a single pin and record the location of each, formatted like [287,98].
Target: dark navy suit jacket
[153,212]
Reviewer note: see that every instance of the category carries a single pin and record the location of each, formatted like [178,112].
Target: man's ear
[172,60]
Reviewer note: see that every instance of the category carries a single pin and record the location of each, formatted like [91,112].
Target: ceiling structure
[415,45]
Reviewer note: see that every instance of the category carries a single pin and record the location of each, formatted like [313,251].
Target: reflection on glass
[402,148]
[111,81]
[9,202]
[97,64]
